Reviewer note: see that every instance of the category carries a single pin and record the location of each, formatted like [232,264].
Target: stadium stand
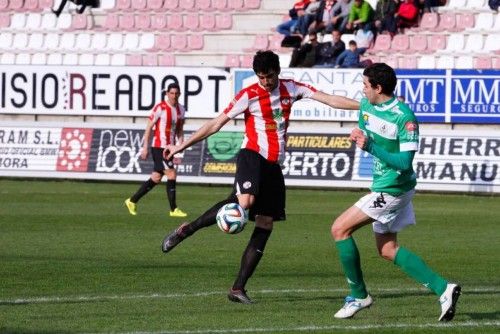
[224,33]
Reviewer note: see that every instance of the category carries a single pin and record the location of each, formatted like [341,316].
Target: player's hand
[144,153]
[358,136]
[169,151]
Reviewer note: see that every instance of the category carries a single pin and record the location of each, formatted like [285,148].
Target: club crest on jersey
[286,101]
[277,114]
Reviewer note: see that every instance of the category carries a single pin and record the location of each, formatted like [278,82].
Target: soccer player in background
[388,130]
[167,123]
[259,183]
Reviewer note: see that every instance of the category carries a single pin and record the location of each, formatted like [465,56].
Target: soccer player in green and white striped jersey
[388,130]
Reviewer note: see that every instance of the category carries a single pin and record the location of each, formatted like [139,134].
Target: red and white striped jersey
[267,115]
[165,119]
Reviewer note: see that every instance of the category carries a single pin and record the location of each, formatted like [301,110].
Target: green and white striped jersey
[392,126]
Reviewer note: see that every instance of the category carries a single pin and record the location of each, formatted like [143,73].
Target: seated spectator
[323,16]
[407,15]
[298,10]
[340,16]
[384,17]
[426,6]
[364,38]
[349,58]
[361,12]
[328,52]
[305,56]
[309,17]
[494,4]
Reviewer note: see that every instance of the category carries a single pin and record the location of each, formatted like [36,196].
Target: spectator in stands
[426,6]
[288,27]
[323,16]
[350,57]
[329,51]
[305,56]
[384,17]
[407,15]
[309,17]
[82,3]
[361,12]
[364,38]
[494,4]
[340,16]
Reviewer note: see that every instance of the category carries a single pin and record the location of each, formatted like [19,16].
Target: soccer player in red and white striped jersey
[259,183]
[166,123]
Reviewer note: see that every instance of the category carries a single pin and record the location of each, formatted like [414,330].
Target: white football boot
[353,305]
[448,301]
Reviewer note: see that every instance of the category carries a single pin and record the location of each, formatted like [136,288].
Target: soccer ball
[232,218]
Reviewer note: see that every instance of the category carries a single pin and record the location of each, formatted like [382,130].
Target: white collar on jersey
[391,103]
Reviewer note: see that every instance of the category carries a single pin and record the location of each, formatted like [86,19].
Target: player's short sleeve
[408,133]
[238,105]
[155,113]
[303,90]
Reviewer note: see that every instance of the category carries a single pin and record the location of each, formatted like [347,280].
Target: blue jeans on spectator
[288,27]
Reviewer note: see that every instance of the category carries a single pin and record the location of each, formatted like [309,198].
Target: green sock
[349,257]
[416,268]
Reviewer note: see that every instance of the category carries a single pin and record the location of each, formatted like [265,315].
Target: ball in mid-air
[232,218]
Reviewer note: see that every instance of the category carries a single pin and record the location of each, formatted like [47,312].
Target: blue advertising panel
[475,96]
[425,93]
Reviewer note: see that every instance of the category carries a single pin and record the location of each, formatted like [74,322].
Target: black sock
[251,257]
[143,190]
[208,218]
[171,194]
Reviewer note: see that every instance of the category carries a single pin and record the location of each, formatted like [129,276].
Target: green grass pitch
[72,260]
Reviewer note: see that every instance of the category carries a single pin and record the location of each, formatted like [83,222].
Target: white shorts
[391,213]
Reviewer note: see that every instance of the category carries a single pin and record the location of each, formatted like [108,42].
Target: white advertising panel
[110,90]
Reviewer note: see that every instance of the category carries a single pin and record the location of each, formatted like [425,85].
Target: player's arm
[335,101]
[397,160]
[205,131]
[147,134]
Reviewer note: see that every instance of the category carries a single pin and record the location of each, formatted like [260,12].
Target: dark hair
[383,75]
[266,62]
[353,42]
[173,85]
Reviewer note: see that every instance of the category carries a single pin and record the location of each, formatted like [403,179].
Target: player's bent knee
[156,177]
[387,253]
[338,232]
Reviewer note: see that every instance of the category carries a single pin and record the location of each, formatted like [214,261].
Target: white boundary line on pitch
[313,328]
[59,299]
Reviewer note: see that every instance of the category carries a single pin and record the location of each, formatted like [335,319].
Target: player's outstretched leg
[448,301]
[186,229]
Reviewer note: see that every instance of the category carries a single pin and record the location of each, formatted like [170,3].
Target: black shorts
[257,176]
[160,164]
